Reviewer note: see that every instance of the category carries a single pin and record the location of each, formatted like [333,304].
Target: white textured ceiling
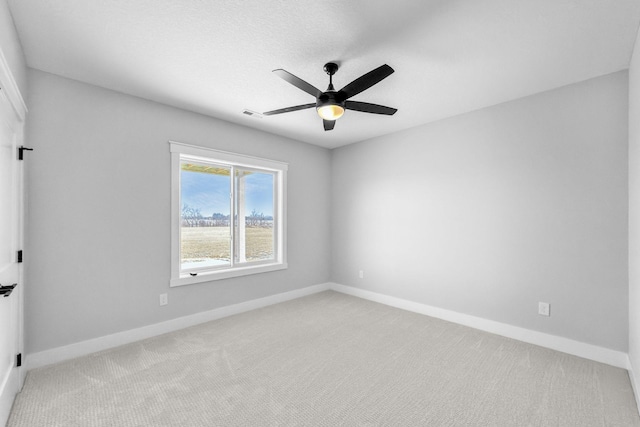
[216,57]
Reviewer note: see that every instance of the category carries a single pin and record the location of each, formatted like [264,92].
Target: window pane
[254,202]
[205,234]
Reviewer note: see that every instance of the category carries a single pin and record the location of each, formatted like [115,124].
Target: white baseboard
[615,358]
[565,345]
[59,354]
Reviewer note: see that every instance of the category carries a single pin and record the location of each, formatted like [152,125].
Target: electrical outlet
[544,309]
[361,274]
[164,299]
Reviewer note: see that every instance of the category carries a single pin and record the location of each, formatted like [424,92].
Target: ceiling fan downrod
[331,68]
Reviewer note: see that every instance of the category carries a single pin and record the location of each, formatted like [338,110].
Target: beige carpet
[327,360]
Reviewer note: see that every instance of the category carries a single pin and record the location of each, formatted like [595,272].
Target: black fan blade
[366,107]
[289,109]
[328,124]
[366,81]
[298,82]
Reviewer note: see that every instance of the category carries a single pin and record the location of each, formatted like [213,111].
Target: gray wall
[485,214]
[11,49]
[98,248]
[490,212]
[634,215]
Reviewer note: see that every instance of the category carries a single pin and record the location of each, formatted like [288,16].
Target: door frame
[19,110]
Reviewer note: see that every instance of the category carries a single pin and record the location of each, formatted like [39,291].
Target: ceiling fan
[331,104]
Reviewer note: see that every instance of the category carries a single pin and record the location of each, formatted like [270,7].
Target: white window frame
[179,152]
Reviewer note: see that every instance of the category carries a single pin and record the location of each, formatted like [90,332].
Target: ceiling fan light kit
[330,111]
[331,104]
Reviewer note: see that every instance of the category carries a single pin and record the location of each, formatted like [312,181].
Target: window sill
[225,274]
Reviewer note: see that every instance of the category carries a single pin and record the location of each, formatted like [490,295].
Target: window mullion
[232,229]
[241,234]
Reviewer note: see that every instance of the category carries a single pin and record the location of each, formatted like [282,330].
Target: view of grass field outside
[206,225]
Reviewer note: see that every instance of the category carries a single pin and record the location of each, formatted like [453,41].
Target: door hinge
[18,359]
[20,256]
[21,151]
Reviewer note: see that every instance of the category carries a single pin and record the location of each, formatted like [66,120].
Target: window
[228,215]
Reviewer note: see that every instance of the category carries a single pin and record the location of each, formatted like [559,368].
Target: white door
[10,270]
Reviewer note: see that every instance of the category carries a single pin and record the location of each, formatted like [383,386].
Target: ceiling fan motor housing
[330,97]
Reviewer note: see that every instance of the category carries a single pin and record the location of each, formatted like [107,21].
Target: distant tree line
[192,217]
